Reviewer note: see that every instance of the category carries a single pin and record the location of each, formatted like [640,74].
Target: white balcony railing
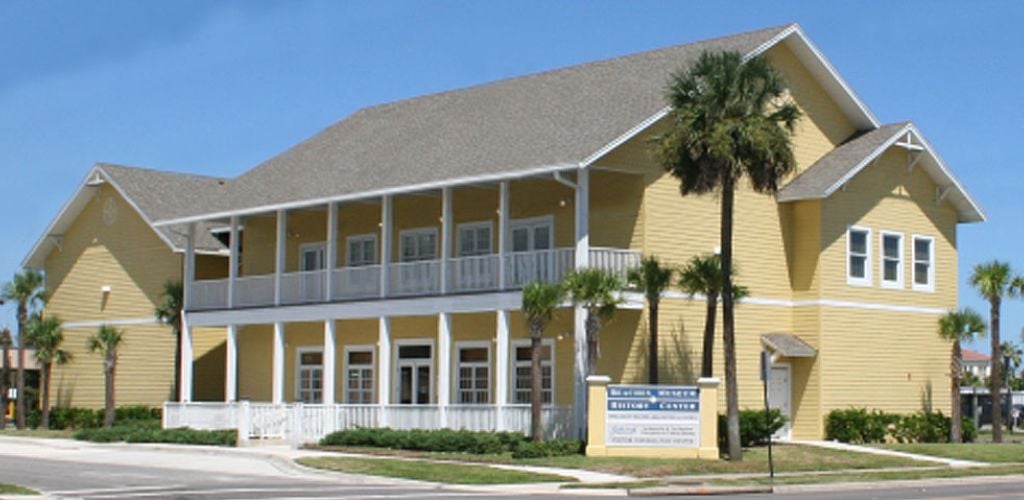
[465,274]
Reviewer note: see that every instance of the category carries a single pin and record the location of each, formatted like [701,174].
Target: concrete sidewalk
[835,445]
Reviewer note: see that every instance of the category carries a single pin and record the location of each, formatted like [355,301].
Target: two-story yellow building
[374,269]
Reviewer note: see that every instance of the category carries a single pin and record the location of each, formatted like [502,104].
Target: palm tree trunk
[954,381]
[108,413]
[20,404]
[536,423]
[593,328]
[5,375]
[996,379]
[652,346]
[707,365]
[45,384]
[732,397]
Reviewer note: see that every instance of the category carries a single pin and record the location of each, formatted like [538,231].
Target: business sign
[644,416]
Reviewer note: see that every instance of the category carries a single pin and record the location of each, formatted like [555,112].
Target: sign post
[766,362]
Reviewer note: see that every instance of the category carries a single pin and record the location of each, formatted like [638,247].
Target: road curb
[695,490]
[898,483]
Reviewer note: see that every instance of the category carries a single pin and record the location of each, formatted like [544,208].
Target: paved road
[1003,487]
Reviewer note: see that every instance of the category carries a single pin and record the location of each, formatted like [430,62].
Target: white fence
[300,423]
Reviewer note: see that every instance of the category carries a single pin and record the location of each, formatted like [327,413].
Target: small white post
[233,261]
[384,365]
[582,218]
[189,270]
[185,388]
[331,259]
[278,369]
[329,361]
[444,365]
[503,216]
[385,244]
[244,423]
[501,366]
[231,368]
[279,253]
[446,235]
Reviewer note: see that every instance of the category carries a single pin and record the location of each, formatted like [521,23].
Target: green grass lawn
[866,476]
[11,489]
[979,452]
[438,472]
[787,458]
[1016,437]
[37,433]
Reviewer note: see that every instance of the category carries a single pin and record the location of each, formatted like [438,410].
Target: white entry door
[415,383]
[779,396]
[529,260]
[312,258]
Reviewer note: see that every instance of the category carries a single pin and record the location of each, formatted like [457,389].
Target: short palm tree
[540,300]
[26,289]
[729,118]
[168,312]
[47,335]
[652,279]
[594,289]
[1011,358]
[107,342]
[958,327]
[702,275]
[994,280]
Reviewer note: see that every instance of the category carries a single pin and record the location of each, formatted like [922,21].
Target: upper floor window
[418,244]
[858,256]
[924,263]
[892,260]
[362,250]
[474,239]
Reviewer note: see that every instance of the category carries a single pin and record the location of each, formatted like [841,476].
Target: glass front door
[531,258]
[415,384]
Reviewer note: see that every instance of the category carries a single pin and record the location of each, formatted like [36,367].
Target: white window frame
[413,232]
[458,365]
[899,281]
[312,246]
[474,226]
[372,237]
[299,351]
[373,370]
[850,279]
[541,220]
[513,363]
[396,369]
[930,287]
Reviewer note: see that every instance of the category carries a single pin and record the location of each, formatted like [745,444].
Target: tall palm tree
[47,335]
[169,313]
[107,341]
[652,279]
[958,327]
[993,280]
[27,290]
[729,118]
[594,289]
[5,375]
[540,300]
[702,275]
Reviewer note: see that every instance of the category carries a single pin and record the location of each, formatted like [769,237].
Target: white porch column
[279,253]
[444,364]
[330,349]
[503,215]
[231,366]
[501,365]
[189,271]
[331,259]
[185,387]
[385,244]
[233,261]
[278,370]
[580,316]
[446,235]
[384,368]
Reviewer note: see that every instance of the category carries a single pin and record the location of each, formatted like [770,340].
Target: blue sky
[217,87]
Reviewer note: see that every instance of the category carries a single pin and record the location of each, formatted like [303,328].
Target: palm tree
[958,327]
[594,289]
[652,279]
[5,374]
[702,275]
[27,290]
[993,280]
[47,334]
[107,341]
[169,313]
[539,303]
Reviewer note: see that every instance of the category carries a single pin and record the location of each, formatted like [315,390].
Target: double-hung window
[858,256]
[362,250]
[310,376]
[892,259]
[522,381]
[474,239]
[924,263]
[359,383]
[473,373]
[418,244]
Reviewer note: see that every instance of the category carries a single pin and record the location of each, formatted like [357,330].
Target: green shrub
[858,425]
[86,418]
[541,449]
[922,427]
[754,429]
[149,431]
[123,413]
[968,432]
[441,440]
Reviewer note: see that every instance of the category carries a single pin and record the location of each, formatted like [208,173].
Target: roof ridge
[107,165]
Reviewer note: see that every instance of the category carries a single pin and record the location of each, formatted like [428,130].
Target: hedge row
[150,432]
[754,428]
[86,418]
[452,441]
[860,425]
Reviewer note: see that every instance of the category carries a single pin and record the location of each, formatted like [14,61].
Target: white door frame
[398,363]
[299,351]
[787,431]
[318,246]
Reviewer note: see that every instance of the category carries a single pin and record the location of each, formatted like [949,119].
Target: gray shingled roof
[547,119]
[814,182]
[788,345]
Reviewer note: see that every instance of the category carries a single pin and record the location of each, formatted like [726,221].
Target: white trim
[867,279]
[370,348]
[846,304]
[456,365]
[517,343]
[361,238]
[115,322]
[396,367]
[930,287]
[789,415]
[299,351]
[472,225]
[320,246]
[898,283]
[949,174]
[547,220]
[416,231]
[631,133]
